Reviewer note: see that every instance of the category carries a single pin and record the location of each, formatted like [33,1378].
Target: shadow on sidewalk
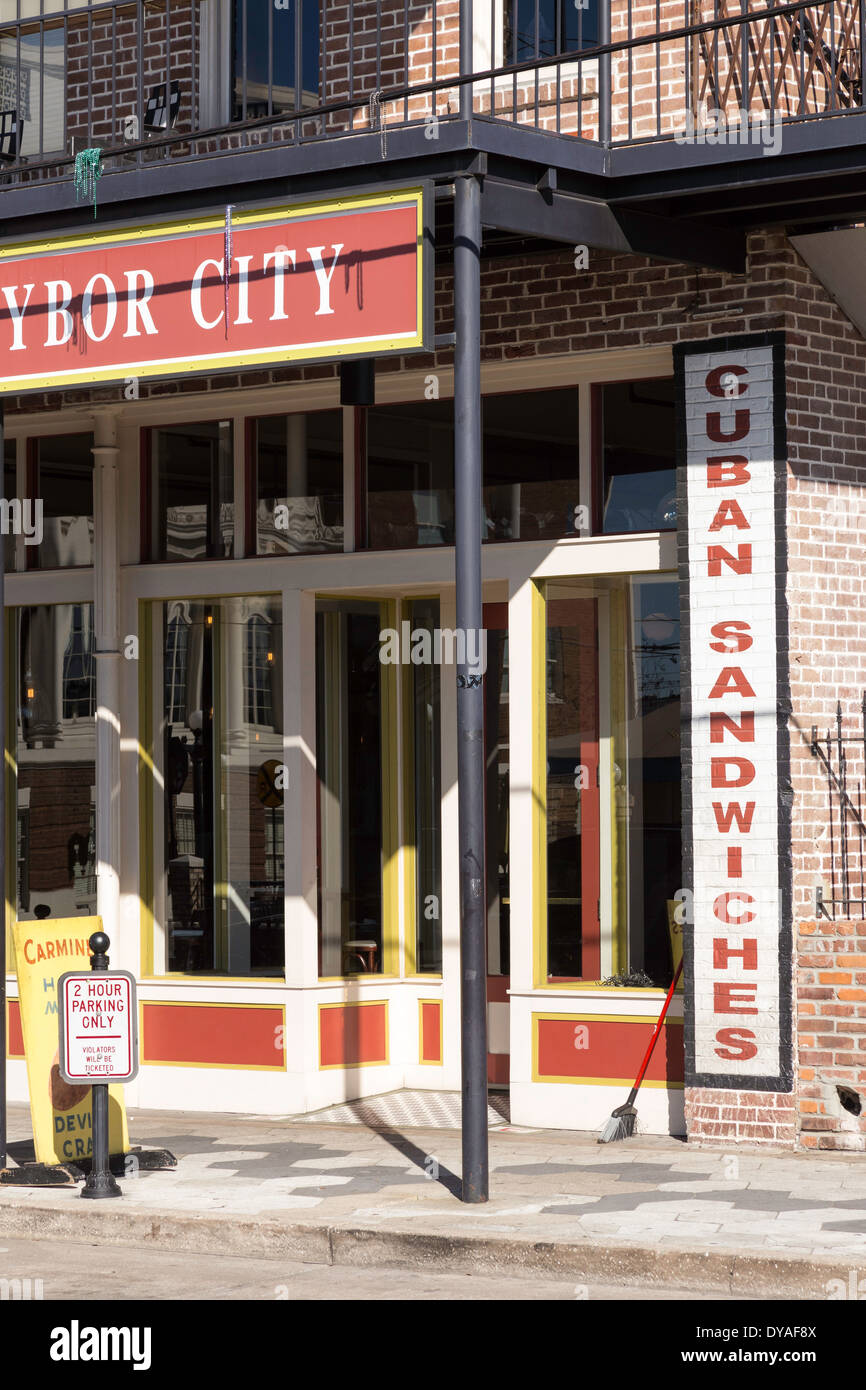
[428,1163]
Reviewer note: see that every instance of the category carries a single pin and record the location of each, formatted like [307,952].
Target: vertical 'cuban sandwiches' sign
[736,703]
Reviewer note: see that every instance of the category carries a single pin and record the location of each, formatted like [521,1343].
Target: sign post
[98,1045]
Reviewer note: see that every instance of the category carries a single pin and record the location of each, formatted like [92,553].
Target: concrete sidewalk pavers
[649,1209]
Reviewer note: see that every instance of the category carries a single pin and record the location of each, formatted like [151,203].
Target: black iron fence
[147,80]
[842,757]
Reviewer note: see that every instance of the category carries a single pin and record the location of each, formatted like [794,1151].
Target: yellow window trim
[538,660]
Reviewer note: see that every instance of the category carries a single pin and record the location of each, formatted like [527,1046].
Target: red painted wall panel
[15,1040]
[353,1035]
[222,1035]
[431,1040]
[602,1048]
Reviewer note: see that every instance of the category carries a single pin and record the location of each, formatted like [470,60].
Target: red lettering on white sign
[733,630]
[738,1044]
[717,555]
[726,470]
[721,724]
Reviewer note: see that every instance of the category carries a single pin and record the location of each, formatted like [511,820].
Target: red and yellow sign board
[60,1112]
[238,288]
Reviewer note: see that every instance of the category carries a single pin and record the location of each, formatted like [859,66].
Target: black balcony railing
[150,80]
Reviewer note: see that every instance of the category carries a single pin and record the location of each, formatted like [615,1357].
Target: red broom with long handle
[623,1120]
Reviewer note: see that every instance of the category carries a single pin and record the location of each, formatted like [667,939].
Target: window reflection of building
[349,762]
[299,469]
[259,660]
[192,492]
[79,676]
[56,760]
[176,646]
[613,664]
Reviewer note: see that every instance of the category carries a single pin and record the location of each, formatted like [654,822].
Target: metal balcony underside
[676,202]
[565,153]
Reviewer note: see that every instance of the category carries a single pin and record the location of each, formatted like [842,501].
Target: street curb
[685,1268]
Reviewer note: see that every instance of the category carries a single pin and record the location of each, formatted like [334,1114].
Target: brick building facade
[565,325]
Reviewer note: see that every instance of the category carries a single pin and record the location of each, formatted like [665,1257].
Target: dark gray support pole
[470,689]
[604,92]
[3,820]
[100,1181]
[467,64]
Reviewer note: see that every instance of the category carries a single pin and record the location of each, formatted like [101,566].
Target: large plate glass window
[192,514]
[423,715]
[530,462]
[298,463]
[638,456]
[611,779]
[410,475]
[219,825]
[356,762]
[10,493]
[55,754]
[64,484]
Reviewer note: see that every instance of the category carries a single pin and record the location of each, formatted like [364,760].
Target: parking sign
[98,1026]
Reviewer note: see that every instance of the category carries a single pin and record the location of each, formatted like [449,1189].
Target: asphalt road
[76,1273]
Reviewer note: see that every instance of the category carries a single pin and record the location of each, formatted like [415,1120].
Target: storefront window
[638,456]
[496,734]
[612,780]
[10,491]
[64,482]
[55,750]
[530,463]
[299,483]
[531,487]
[410,475]
[221,892]
[573,927]
[649,807]
[427,794]
[192,492]
[351,738]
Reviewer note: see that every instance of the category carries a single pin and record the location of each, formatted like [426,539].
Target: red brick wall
[831,1003]
[393,43]
[740,1117]
[102,69]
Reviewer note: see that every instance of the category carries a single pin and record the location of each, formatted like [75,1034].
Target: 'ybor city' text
[215,292]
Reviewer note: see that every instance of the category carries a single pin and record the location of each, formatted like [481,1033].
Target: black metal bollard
[100,1182]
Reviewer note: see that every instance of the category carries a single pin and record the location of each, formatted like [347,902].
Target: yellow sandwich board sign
[61,1112]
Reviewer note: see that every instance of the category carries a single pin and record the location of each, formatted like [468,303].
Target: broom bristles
[621,1125]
